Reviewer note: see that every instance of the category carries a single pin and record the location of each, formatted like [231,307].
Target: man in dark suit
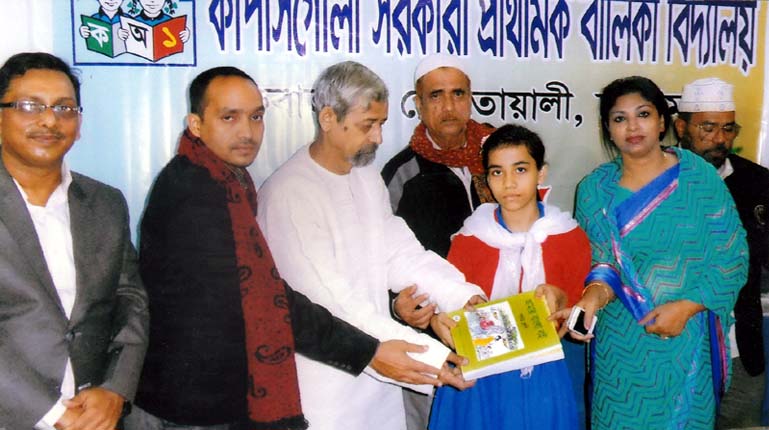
[707,125]
[73,312]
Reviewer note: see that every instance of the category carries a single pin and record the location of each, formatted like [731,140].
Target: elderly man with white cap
[436,181]
[440,171]
[706,125]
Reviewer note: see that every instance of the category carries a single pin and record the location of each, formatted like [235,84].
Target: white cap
[707,95]
[434,61]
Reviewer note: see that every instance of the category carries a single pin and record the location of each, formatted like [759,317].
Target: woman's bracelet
[604,290]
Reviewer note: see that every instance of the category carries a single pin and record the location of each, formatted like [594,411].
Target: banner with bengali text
[539,63]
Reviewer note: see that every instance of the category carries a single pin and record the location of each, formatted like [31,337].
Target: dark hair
[201,82]
[644,87]
[514,135]
[135,7]
[685,116]
[20,64]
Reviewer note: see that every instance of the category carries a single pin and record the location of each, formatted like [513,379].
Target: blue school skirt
[541,400]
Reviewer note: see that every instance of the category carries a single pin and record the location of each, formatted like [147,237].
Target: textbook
[505,334]
[154,42]
[103,38]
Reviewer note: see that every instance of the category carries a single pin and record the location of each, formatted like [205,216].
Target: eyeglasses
[28,107]
[709,128]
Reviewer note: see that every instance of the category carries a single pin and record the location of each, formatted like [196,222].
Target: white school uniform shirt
[334,238]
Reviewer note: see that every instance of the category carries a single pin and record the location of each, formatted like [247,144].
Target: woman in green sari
[669,257]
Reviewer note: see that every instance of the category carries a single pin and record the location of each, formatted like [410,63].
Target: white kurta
[334,238]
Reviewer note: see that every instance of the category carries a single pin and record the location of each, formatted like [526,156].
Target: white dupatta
[517,251]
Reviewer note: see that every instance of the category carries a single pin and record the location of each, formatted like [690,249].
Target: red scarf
[273,394]
[468,155]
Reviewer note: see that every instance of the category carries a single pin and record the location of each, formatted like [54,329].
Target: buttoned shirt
[53,231]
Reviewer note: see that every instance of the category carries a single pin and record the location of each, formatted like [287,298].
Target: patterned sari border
[649,208]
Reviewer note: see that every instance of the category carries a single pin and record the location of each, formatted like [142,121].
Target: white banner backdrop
[540,63]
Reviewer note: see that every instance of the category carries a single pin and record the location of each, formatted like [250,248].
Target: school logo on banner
[134,32]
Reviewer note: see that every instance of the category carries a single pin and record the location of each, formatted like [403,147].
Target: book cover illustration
[493,331]
[102,37]
[505,334]
[154,42]
[153,32]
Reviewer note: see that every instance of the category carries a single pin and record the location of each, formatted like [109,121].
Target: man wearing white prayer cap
[436,181]
[706,122]
[706,125]
[440,171]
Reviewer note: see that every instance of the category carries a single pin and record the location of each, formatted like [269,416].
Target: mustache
[45,133]
[718,148]
[246,142]
[369,149]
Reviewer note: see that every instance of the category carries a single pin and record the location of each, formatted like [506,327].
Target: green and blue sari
[679,237]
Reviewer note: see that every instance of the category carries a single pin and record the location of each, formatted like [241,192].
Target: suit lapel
[84,226]
[15,216]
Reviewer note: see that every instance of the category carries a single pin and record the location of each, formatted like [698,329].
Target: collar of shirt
[726,169]
[58,202]
[52,225]
[501,221]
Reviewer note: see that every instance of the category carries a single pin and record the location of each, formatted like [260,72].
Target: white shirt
[334,238]
[53,231]
[726,169]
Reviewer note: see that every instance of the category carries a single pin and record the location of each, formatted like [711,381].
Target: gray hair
[344,86]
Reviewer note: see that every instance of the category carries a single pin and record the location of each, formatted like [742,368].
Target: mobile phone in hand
[576,322]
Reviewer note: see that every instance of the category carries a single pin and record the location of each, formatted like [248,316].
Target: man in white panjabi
[326,215]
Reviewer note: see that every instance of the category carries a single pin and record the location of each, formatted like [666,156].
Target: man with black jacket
[225,326]
[707,126]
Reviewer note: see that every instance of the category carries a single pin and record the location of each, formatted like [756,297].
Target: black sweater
[749,186]
[429,197]
[195,371]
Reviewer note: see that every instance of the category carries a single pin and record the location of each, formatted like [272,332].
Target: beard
[365,155]
[715,155]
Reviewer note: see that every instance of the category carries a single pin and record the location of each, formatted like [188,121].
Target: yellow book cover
[505,334]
